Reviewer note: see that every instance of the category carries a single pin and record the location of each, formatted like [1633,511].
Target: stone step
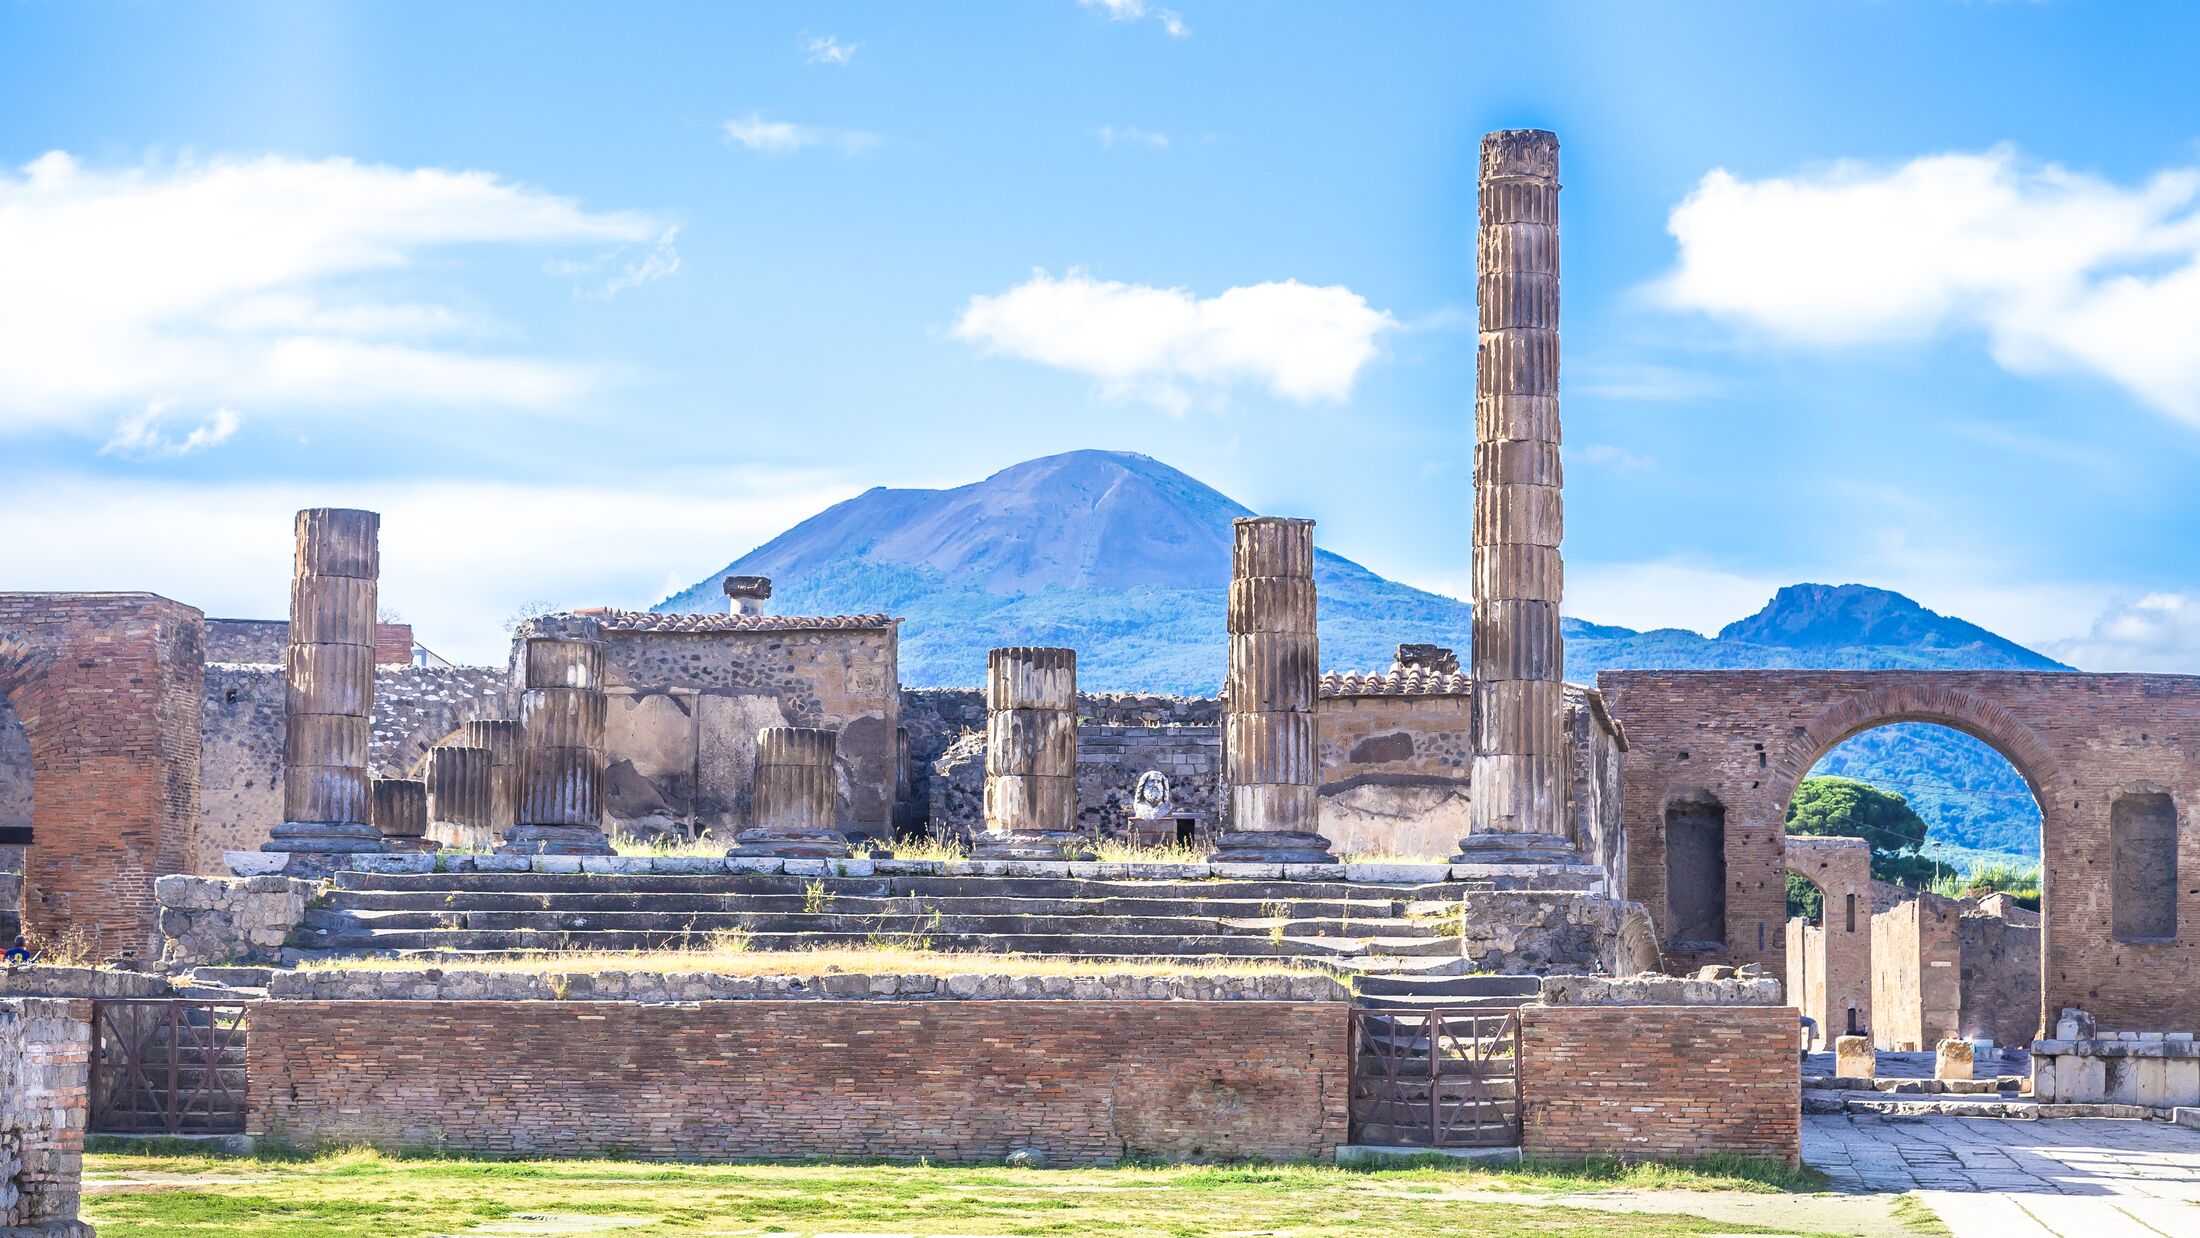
[562,919]
[891,887]
[797,900]
[1515,989]
[1077,944]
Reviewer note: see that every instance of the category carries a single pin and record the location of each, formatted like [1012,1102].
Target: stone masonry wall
[263,641]
[2082,741]
[1086,1082]
[1109,761]
[220,920]
[2000,962]
[1395,772]
[241,761]
[45,1052]
[109,701]
[1660,1082]
[1917,991]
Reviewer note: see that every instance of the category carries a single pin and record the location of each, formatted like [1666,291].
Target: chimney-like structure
[1521,763]
[1271,761]
[561,762]
[329,696]
[795,800]
[746,595]
[1030,757]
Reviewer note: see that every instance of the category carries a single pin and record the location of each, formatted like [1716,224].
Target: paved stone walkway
[1996,1178]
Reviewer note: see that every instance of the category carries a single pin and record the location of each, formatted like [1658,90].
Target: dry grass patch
[726,954]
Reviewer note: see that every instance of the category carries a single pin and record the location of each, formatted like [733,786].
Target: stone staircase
[1349,926]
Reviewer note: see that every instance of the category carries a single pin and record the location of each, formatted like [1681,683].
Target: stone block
[1246,872]
[689,865]
[2043,1077]
[1036,868]
[2150,1082]
[906,868]
[755,864]
[255,863]
[2181,1081]
[2081,1079]
[555,863]
[1952,1060]
[1314,872]
[1398,874]
[1854,1057]
[624,864]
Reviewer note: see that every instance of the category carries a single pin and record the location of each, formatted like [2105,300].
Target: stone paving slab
[2055,1177]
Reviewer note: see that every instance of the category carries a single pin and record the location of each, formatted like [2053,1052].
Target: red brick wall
[2080,740]
[1085,1081]
[1660,1082]
[110,705]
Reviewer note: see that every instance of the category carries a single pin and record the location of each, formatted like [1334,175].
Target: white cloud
[828,50]
[226,548]
[1299,341]
[657,262]
[2060,271]
[1617,459]
[782,137]
[1112,135]
[140,436]
[2156,632]
[1134,10]
[259,283]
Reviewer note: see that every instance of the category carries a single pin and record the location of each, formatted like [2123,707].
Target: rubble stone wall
[1109,760]
[220,920]
[2082,741]
[1660,1082]
[108,698]
[241,760]
[1085,1082]
[45,1054]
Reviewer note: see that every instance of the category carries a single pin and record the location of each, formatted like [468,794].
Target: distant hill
[1127,560]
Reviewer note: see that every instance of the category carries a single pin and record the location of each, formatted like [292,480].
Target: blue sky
[589,300]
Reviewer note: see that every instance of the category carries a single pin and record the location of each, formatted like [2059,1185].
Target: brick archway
[107,687]
[2077,739]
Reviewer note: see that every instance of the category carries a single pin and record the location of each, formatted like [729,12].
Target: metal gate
[1435,1078]
[164,1067]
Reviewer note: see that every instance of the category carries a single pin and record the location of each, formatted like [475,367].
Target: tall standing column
[1521,765]
[461,794]
[561,763]
[329,697]
[504,738]
[795,800]
[1031,757]
[1271,764]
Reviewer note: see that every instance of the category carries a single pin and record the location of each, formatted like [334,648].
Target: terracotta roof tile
[650,621]
[1410,681]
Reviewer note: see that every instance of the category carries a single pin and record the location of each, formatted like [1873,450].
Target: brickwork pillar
[329,666]
[1271,762]
[1031,757]
[561,762]
[461,790]
[504,738]
[1521,760]
[400,813]
[796,796]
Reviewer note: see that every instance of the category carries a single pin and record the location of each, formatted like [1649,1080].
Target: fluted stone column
[795,801]
[461,793]
[561,763]
[1030,757]
[401,813]
[329,696]
[1521,763]
[505,738]
[1271,766]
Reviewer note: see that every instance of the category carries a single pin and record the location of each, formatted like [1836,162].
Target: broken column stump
[1031,757]
[796,796]
[561,762]
[1270,755]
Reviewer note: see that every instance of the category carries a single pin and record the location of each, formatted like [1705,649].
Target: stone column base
[1271,847]
[1034,845]
[350,837]
[1520,848]
[554,840]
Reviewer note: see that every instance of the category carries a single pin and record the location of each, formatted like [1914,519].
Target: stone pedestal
[1854,1057]
[561,764]
[796,796]
[1521,762]
[1270,754]
[401,814]
[1953,1059]
[461,791]
[329,697]
[1031,757]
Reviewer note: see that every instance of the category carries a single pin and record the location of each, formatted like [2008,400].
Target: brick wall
[1660,1082]
[45,1051]
[2080,740]
[1085,1082]
[110,706]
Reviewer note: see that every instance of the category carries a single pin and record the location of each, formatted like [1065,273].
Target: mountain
[1127,560]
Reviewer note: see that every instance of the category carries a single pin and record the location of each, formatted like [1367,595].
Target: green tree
[1846,808]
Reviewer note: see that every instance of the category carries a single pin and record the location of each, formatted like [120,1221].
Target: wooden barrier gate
[1435,1078]
[167,1067]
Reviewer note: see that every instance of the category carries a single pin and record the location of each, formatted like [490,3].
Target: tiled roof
[650,621]
[1410,681]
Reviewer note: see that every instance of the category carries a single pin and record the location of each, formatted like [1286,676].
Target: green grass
[172,1189]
